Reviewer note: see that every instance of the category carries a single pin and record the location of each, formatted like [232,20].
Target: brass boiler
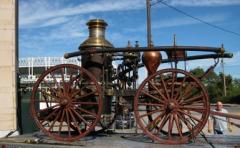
[98,62]
[94,62]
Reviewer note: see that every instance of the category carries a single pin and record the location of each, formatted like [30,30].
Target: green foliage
[214,85]
[198,72]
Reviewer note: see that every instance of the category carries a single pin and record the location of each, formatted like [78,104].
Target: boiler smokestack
[96,35]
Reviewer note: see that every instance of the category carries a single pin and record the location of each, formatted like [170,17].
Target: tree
[197,72]
[214,84]
[210,81]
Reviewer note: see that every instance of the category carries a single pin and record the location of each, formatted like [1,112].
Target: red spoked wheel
[66,102]
[171,106]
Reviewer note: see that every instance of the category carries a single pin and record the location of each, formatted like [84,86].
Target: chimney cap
[99,23]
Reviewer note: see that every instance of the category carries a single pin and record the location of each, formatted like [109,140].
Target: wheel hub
[171,106]
[64,102]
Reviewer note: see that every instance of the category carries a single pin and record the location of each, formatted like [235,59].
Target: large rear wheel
[171,106]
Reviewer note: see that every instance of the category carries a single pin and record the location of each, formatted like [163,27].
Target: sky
[53,27]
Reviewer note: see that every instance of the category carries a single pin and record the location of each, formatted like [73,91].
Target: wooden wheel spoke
[46,101]
[54,121]
[49,95]
[191,116]
[88,112]
[170,126]
[80,117]
[50,115]
[54,78]
[159,92]
[198,103]
[165,87]
[178,125]
[61,121]
[86,103]
[48,109]
[187,90]
[192,100]
[71,77]
[63,80]
[150,113]
[68,123]
[190,94]
[181,117]
[177,97]
[50,87]
[157,108]
[76,92]
[74,120]
[196,109]
[83,96]
[70,82]
[150,104]
[153,123]
[153,97]
[164,121]
[173,83]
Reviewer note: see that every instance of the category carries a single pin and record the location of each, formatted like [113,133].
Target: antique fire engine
[169,106]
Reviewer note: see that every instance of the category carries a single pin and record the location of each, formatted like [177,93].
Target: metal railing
[32,63]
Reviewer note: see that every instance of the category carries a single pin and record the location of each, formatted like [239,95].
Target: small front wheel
[66,102]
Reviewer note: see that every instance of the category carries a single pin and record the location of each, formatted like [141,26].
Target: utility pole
[149,34]
[224,80]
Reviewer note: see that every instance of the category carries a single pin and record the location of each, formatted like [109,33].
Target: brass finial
[151,45]
[129,44]
[136,44]
[174,40]
[222,48]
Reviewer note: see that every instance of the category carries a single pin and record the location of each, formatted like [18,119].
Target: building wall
[7,66]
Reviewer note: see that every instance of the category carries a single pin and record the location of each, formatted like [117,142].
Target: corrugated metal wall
[7,66]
